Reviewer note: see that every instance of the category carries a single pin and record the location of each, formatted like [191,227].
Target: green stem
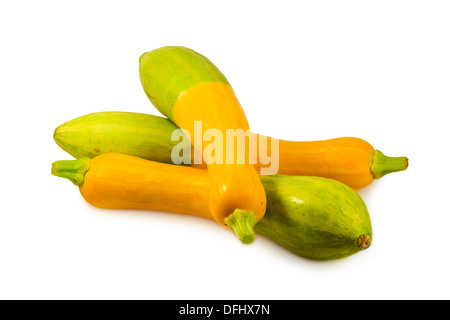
[73,170]
[382,165]
[242,223]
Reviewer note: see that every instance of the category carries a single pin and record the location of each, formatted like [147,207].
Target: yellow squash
[188,89]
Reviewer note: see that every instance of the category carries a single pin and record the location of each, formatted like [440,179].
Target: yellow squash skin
[145,185]
[345,159]
[233,186]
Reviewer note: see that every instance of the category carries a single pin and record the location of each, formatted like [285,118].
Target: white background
[303,70]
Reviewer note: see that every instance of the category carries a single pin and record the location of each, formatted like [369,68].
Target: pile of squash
[124,160]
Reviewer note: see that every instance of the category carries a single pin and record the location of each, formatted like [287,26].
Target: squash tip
[142,57]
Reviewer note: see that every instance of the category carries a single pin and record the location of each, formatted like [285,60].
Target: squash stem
[73,170]
[241,222]
[382,165]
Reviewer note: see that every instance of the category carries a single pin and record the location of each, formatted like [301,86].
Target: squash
[135,134]
[186,87]
[313,217]
[350,160]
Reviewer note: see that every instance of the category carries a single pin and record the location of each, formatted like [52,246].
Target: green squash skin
[167,72]
[136,134]
[317,218]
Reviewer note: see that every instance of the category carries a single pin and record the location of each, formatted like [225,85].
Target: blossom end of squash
[242,222]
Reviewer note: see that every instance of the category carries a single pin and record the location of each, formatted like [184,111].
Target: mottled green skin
[314,217]
[136,134]
[167,72]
